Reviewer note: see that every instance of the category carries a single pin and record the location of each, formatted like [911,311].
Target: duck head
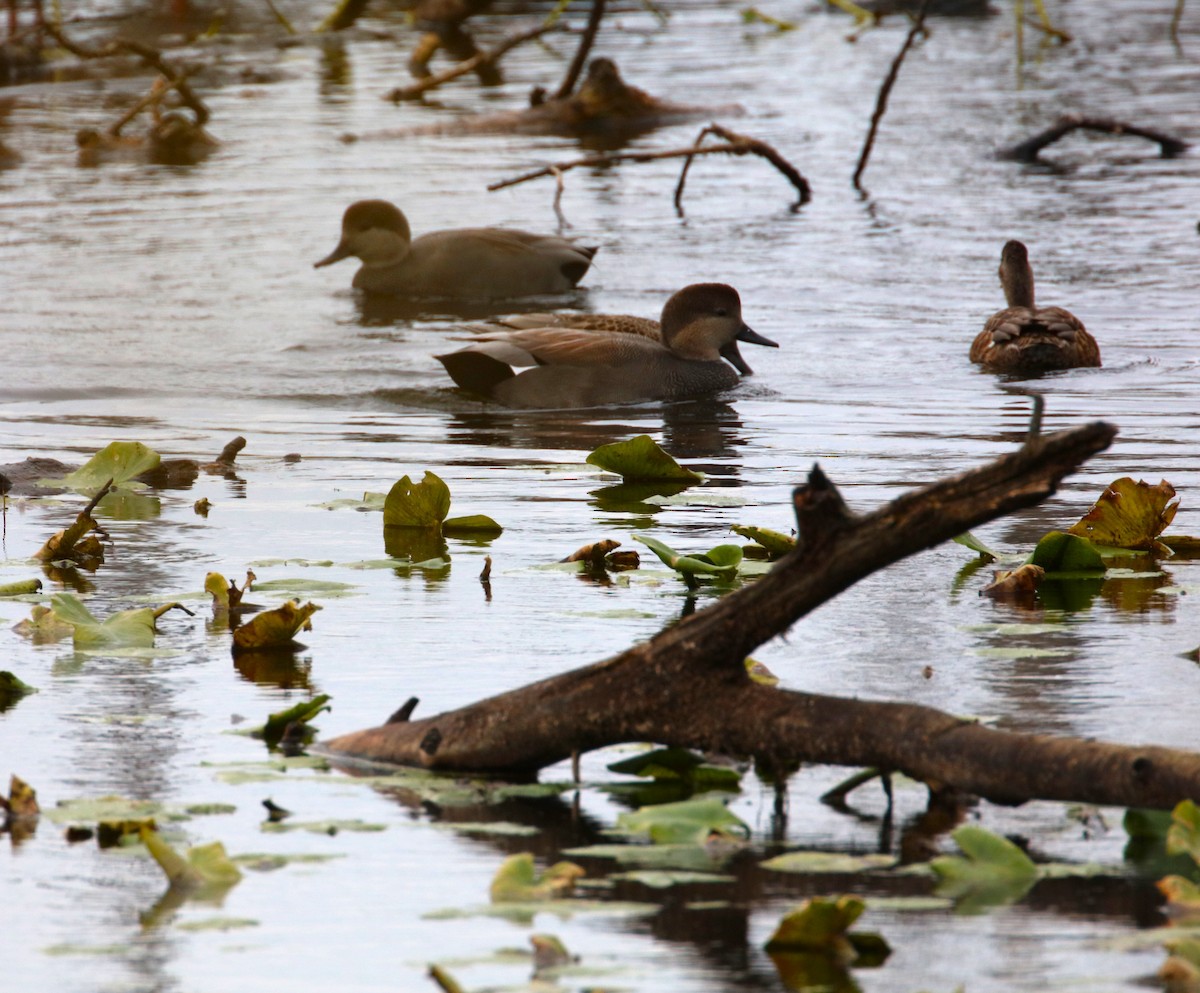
[1016,275]
[704,322]
[374,231]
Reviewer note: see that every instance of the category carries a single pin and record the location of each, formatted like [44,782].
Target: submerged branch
[1028,150]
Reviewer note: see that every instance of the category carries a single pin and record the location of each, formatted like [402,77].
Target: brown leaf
[1129,514]
[1015,583]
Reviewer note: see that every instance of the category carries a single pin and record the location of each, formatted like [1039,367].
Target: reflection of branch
[150,56]
[735,144]
[417,89]
[1027,151]
[885,89]
[581,53]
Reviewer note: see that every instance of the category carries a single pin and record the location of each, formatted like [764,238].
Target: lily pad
[206,868]
[827,863]
[641,459]
[1059,552]
[686,822]
[723,560]
[684,857]
[119,461]
[417,505]
[218,924]
[329,827]
[991,871]
[822,925]
[661,879]
[1129,514]
[22,587]
[776,543]
[1183,836]
[681,764]
[127,628]
[275,628]
[277,724]
[474,525]
[12,689]
[970,541]
[517,880]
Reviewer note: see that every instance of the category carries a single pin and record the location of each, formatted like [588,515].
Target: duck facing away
[1024,338]
[462,263]
[615,359]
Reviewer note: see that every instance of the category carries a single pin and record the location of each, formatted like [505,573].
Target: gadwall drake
[589,366]
[1024,338]
[462,263]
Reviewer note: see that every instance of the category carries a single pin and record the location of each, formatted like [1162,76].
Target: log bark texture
[688,687]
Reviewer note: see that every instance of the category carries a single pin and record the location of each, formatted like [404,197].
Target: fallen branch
[422,86]
[1028,150]
[688,686]
[885,90]
[735,144]
[595,16]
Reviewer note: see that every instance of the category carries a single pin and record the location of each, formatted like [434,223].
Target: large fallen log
[688,686]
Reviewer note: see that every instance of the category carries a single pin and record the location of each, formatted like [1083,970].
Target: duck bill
[339,253]
[734,357]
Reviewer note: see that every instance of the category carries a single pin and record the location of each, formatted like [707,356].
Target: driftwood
[735,144]
[885,90]
[595,16]
[1028,150]
[688,687]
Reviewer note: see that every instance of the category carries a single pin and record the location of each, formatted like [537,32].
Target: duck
[1025,338]
[590,360]
[460,263]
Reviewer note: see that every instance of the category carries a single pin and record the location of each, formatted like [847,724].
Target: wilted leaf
[776,543]
[1129,514]
[446,981]
[12,689]
[1059,552]
[22,800]
[991,871]
[1184,834]
[417,505]
[475,525]
[1182,894]
[641,459]
[206,868]
[517,880]
[722,560]
[120,461]
[1014,584]
[303,712]
[126,629]
[973,543]
[821,925]
[274,628]
[687,822]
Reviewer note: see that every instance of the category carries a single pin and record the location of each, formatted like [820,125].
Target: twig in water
[417,89]
[884,90]
[735,144]
[1027,151]
[581,53]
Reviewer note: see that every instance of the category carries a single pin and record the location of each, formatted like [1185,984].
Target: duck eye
[721,312]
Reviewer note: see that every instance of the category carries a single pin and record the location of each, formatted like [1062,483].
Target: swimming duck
[582,366]
[1024,338]
[463,263]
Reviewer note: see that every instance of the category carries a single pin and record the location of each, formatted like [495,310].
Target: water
[178,307]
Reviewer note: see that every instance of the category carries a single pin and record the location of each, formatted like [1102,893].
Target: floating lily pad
[661,879]
[206,869]
[302,713]
[501,829]
[119,461]
[776,543]
[275,628]
[330,827]
[818,863]
[325,587]
[474,525]
[22,587]
[12,690]
[723,560]
[681,764]
[688,821]
[969,540]
[991,871]
[218,924]
[417,505]
[271,862]
[1129,514]
[525,912]
[690,857]
[640,459]
[822,925]
[517,880]
[1059,552]
[127,628]
[369,502]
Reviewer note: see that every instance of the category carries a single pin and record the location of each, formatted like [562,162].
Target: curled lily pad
[517,880]
[22,587]
[206,870]
[641,459]
[275,628]
[1059,552]
[1129,514]
[970,541]
[124,629]
[272,732]
[417,505]
[723,560]
[776,543]
[686,822]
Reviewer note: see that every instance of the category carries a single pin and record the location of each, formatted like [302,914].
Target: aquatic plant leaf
[549,952]
[206,868]
[1183,837]
[330,827]
[1015,584]
[218,587]
[274,628]
[303,712]
[21,801]
[678,764]
[970,541]
[722,560]
[1129,514]
[819,924]
[471,525]
[760,674]
[641,459]
[991,871]
[21,587]
[446,981]
[417,505]
[827,862]
[661,879]
[776,543]
[119,461]
[686,822]
[1060,552]
[126,628]
[517,880]
[752,15]
[12,689]
[92,810]
[1188,949]
[1182,894]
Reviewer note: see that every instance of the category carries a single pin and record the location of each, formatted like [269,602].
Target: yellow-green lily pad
[684,822]
[119,461]
[1129,514]
[417,505]
[640,459]
[517,880]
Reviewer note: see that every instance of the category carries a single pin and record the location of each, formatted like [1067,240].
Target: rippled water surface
[178,307]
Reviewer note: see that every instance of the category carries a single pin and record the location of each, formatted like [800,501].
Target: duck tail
[474,371]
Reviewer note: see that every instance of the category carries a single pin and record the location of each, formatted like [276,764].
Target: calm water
[178,307]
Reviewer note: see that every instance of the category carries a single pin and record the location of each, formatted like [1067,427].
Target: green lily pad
[269,862]
[970,541]
[1059,552]
[500,829]
[119,461]
[517,880]
[776,543]
[22,587]
[681,857]
[723,560]
[818,863]
[688,821]
[218,924]
[330,827]
[681,764]
[661,879]
[821,925]
[991,871]
[12,689]
[206,868]
[291,587]
[475,525]
[640,459]
[417,505]
[369,502]
[1183,836]
[272,732]
[1129,514]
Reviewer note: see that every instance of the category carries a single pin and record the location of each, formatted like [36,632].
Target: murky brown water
[178,307]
